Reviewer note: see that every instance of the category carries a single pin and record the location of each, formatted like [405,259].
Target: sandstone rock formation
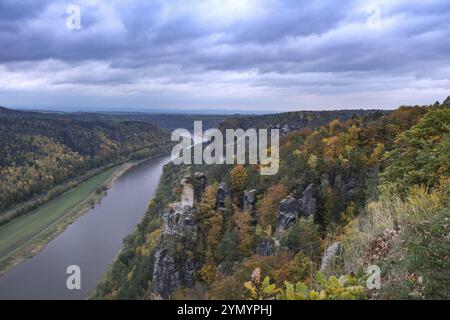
[308,202]
[287,214]
[265,248]
[174,269]
[291,209]
[329,256]
[222,194]
[193,187]
[250,201]
[174,266]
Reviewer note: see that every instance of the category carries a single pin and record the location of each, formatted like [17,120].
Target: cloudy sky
[224,54]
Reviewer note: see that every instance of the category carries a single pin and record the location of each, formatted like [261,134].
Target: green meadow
[23,229]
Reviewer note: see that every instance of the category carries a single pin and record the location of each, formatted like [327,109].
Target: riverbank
[32,204]
[104,275]
[140,236]
[26,236]
[91,242]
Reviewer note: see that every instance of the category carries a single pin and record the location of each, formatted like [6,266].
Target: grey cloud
[293,18]
[138,40]
[12,10]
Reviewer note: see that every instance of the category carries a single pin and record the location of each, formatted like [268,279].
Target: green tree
[303,237]
[420,155]
[228,251]
[267,207]
[238,177]
[210,222]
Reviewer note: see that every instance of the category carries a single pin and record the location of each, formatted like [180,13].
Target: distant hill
[6,111]
[291,121]
[169,121]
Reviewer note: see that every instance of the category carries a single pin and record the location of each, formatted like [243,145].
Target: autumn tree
[303,237]
[227,251]
[210,222]
[421,154]
[242,222]
[238,176]
[267,207]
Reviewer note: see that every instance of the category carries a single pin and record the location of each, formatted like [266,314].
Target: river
[92,242]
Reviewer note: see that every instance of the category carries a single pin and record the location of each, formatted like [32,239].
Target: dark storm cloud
[13,10]
[292,18]
[252,42]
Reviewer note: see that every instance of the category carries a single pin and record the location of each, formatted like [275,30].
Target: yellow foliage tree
[267,207]
[242,222]
[238,178]
[210,222]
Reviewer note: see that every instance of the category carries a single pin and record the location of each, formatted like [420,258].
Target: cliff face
[289,212]
[292,209]
[176,256]
[174,267]
[175,262]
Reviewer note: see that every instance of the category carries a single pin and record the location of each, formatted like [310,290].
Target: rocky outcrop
[250,201]
[222,194]
[193,188]
[329,256]
[265,248]
[349,188]
[174,265]
[187,193]
[169,274]
[283,128]
[291,209]
[178,219]
[308,202]
[173,269]
[287,214]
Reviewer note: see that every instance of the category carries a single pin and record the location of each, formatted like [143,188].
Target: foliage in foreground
[345,288]
[390,212]
[421,270]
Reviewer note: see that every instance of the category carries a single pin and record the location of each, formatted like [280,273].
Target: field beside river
[27,235]
[90,236]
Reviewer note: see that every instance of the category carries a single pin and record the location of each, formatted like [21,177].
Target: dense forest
[41,151]
[167,121]
[353,190]
[290,121]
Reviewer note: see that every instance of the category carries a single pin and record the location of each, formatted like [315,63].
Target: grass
[415,261]
[23,229]
[421,269]
[388,213]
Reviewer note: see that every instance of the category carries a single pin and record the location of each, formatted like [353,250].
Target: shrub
[303,237]
[389,212]
[208,273]
[345,288]
[423,271]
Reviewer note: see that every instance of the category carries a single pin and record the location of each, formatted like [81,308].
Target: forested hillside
[39,151]
[290,121]
[360,190]
[169,121]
